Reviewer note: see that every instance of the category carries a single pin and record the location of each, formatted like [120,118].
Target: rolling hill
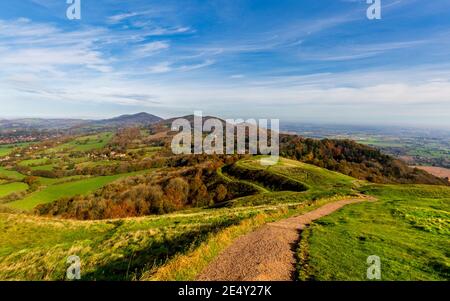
[132,210]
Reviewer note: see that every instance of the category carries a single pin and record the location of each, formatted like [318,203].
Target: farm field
[57,191]
[6,149]
[6,173]
[33,162]
[437,171]
[6,189]
[84,143]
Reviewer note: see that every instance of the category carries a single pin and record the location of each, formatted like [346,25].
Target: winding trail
[267,254]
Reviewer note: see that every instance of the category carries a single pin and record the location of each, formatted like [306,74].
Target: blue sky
[297,60]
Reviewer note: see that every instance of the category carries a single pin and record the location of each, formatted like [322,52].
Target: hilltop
[139,119]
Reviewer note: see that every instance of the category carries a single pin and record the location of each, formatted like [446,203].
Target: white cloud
[150,48]
[120,17]
[162,67]
[204,64]
[165,67]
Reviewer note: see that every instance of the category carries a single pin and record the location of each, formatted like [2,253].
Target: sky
[295,60]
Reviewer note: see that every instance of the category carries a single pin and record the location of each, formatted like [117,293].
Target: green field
[408,228]
[43,167]
[85,143]
[7,189]
[11,174]
[56,191]
[33,162]
[6,149]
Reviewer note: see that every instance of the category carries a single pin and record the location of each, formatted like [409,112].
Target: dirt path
[267,253]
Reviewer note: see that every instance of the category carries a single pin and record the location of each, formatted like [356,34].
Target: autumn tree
[177,192]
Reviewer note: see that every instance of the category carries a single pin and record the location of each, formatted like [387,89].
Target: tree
[221,193]
[177,191]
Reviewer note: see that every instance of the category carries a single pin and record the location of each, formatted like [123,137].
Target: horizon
[297,61]
[283,123]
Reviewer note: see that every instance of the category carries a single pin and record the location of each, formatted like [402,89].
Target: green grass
[34,162]
[56,191]
[47,167]
[312,176]
[11,174]
[36,248]
[173,246]
[51,181]
[6,149]
[85,143]
[381,143]
[408,228]
[321,183]
[97,163]
[7,189]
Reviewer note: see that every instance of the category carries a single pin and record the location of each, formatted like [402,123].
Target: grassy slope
[164,247]
[408,228]
[10,188]
[36,248]
[169,247]
[322,183]
[178,246]
[56,191]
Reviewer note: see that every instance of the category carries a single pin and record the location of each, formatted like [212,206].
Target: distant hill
[40,124]
[140,119]
[128,120]
[190,118]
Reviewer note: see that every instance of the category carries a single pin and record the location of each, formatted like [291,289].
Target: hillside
[133,211]
[179,246]
[177,232]
[354,159]
[139,119]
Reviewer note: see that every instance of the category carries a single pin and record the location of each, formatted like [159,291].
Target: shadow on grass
[134,264]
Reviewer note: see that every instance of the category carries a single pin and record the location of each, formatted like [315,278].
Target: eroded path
[267,254]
